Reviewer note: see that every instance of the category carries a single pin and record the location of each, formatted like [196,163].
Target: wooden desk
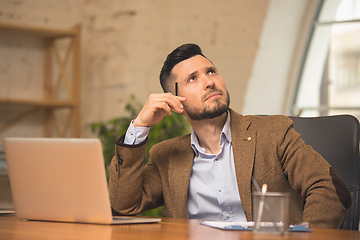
[174,229]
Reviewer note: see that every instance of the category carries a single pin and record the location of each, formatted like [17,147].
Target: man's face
[202,86]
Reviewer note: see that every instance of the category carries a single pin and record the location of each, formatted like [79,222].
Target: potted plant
[110,130]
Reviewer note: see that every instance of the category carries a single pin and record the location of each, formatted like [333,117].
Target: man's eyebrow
[191,74]
[212,68]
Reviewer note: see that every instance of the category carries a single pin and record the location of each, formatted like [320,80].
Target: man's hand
[156,107]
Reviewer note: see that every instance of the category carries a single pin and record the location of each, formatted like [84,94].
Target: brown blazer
[267,148]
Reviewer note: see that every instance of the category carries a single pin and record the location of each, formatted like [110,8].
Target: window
[329,82]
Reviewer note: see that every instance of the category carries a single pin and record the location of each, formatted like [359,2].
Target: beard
[208,112]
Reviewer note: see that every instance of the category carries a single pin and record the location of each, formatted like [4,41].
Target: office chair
[336,138]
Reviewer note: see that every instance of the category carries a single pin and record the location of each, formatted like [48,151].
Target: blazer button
[249,139]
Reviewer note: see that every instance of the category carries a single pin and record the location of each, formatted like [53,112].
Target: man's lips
[213,94]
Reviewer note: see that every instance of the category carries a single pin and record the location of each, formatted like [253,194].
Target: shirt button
[131,135]
[249,138]
[228,215]
[216,160]
[220,190]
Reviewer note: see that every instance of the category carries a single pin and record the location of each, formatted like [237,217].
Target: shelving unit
[50,102]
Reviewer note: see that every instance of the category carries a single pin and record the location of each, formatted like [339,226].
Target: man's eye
[191,79]
[210,72]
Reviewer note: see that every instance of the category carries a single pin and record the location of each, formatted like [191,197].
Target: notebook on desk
[61,180]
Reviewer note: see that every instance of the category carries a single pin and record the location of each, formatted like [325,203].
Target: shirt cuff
[135,135]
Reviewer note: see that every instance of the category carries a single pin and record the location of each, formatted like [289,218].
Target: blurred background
[68,68]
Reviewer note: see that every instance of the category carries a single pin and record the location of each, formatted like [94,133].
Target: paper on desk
[248,226]
[230,225]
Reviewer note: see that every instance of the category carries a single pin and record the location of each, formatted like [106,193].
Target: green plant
[109,131]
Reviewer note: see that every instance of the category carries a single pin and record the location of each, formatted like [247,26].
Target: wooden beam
[37,31]
[76,84]
[62,69]
[39,103]
[48,90]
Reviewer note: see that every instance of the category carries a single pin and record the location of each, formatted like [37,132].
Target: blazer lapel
[180,167]
[243,142]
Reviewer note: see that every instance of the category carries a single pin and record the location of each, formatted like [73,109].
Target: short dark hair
[180,54]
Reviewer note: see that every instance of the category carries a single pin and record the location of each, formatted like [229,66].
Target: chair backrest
[336,138]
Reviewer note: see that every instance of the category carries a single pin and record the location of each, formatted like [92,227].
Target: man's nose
[208,82]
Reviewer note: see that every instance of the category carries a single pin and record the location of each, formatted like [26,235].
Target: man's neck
[209,131]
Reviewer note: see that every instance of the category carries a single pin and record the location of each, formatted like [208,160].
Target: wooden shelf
[39,103]
[70,80]
[36,31]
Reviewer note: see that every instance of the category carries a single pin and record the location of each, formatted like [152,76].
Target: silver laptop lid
[58,179]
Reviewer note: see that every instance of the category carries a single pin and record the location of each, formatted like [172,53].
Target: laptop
[61,179]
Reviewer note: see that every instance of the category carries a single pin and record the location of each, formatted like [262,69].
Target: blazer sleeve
[133,186]
[326,197]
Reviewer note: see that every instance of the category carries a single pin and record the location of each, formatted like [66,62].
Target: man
[207,174]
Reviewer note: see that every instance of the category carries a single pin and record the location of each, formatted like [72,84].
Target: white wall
[124,44]
[267,88]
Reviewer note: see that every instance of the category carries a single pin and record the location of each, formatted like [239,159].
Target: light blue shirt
[213,191]
[135,135]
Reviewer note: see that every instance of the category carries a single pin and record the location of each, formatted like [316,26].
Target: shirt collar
[225,135]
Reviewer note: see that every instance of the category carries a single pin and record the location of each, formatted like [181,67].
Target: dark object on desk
[336,138]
